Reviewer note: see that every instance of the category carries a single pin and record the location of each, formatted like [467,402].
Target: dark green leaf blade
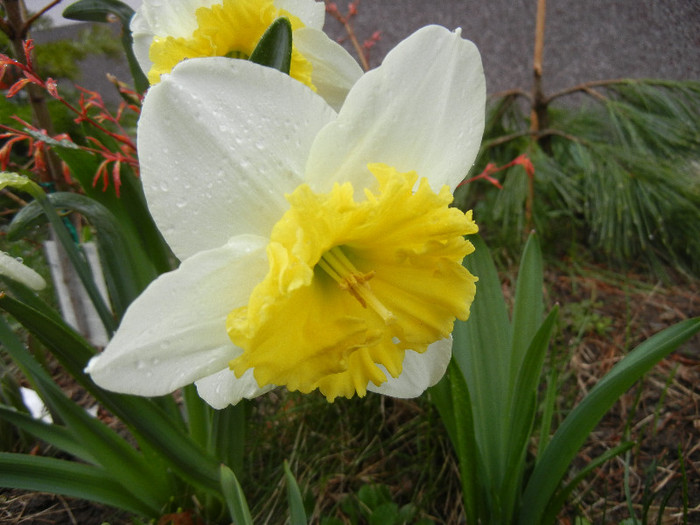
[296,502]
[72,479]
[100,11]
[235,499]
[117,262]
[143,416]
[275,47]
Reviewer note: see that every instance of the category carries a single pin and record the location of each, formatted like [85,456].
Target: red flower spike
[52,87]
[17,87]
[521,160]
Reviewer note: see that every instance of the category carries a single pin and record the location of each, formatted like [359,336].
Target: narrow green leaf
[528,307]
[297,514]
[199,415]
[117,263]
[451,397]
[72,479]
[481,348]
[75,256]
[235,499]
[557,502]
[52,434]
[100,11]
[470,463]
[143,416]
[550,397]
[524,407]
[67,345]
[106,446]
[574,430]
[79,262]
[27,296]
[228,431]
[275,46]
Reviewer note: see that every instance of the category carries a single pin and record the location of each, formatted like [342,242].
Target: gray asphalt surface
[584,39]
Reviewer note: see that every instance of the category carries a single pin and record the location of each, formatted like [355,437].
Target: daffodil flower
[318,248]
[167,32]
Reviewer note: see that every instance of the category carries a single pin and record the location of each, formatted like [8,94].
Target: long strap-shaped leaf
[143,416]
[100,11]
[235,499]
[574,430]
[69,478]
[297,514]
[115,255]
[111,451]
[52,434]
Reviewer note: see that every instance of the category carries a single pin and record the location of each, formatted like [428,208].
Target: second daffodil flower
[318,249]
[167,32]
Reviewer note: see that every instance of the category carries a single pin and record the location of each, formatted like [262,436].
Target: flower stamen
[337,265]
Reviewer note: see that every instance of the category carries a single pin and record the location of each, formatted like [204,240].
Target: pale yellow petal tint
[355,284]
[231,28]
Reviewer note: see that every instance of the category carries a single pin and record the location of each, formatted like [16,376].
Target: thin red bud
[116,177]
[52,87]
[17,87]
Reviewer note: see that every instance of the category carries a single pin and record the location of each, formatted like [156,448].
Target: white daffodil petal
[175,332]
[223,388]
[158,18]
[142,36]
[310,12]
[421,110]
[220,143]
[177,18]
[173,18]
[334,70]
[15,270]
[420,371]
